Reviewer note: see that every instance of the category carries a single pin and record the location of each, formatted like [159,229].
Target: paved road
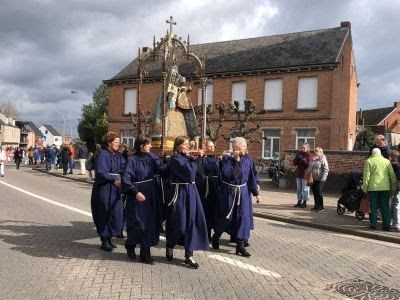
[50,251]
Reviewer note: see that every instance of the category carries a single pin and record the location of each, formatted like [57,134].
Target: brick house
[30,134]
[305,83]
[9,133]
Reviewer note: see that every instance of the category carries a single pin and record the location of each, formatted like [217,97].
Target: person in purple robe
[186,224]
[234,213]
[106,203]
[144,199]
[207,182]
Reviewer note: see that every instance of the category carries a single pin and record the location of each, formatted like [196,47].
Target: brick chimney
[345,24]
[397,104]
[145,49]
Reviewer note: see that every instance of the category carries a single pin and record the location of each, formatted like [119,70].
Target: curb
[63,176]
[363,234]
[284,219]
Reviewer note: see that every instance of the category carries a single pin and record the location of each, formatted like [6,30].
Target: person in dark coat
[18,157]
[207,182]
[382,144]
[186,224]
[65,157]
[144,199]
[301,161]
[106,200]
[238,180]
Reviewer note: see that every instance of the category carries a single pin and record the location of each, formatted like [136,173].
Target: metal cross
[171,23]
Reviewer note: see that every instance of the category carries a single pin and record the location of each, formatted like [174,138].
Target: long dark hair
[179,141]
[140,141]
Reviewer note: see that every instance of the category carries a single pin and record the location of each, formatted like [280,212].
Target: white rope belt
[237,190]
[148,180]
[208,185]
[177,184]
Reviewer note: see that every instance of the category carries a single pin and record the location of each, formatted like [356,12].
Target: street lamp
[62,116]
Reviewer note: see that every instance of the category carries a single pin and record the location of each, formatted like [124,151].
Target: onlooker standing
[3,160]
[379,179]
[53,158]
[65,157]
[71,164]
[83,155]
[18,157]
[89,165]
[381,144]
[30,155]
[301,162]
[394,160]
[320,169]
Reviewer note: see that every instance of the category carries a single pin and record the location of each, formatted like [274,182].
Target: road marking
[48,200]
[245,266]
[221,258]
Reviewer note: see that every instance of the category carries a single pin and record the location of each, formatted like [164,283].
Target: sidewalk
[278,204]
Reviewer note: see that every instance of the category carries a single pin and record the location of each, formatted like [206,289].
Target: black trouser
[317,191]
[17,162]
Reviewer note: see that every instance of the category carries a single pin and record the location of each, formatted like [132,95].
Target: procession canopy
[174,113]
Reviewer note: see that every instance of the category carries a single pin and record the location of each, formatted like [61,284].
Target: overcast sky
[48,48]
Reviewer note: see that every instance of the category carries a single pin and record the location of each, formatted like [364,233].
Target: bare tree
[9,109]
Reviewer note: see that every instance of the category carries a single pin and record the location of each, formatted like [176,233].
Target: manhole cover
[363,290]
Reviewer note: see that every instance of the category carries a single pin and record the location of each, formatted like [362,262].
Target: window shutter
[273,94]
[130,101]
[307,93]
[239,93]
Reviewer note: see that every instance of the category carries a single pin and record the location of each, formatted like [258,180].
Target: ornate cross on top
[171,23]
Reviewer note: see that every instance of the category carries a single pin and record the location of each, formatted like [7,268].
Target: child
[394,159]
[89,165]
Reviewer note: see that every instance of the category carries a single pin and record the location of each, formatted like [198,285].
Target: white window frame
[239,90]
[209,95]
[307,92]
[272,138]
[127,137]
[130,101]
[307,139]
[273,89]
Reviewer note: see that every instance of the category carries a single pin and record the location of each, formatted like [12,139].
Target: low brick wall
[340,164]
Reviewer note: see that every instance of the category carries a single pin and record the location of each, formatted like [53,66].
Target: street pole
[62,116]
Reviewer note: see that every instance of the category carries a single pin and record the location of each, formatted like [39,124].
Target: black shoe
[215,241]
[240,250]
[112,243]
[298,204]
[386,229]
[169,253]
[320,209]
[105,245]
[303,205]
[314,208]
[372,227]
[147,260]
[191,263]
[232,239]
[131,253]
[246,244]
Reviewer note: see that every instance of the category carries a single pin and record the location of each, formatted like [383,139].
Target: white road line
[243,265]
[221,258]
[48,200]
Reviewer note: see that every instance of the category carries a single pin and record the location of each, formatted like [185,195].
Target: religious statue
[181,119]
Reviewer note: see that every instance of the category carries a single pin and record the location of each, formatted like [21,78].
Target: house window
[305,135]
[127,137]
[130,101]
[56,139]
[273,94]
[209,94]
[239,93]
[46,131]
[307,93]
[271,143]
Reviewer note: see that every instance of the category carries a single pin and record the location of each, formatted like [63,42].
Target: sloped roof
[375,116]
[309,48]
[31,126]
[52,130]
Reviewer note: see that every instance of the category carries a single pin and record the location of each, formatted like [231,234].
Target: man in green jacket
[378,181]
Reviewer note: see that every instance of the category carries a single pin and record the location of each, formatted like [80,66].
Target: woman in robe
[238,179]
[186,224]
[107,208]
[144,199]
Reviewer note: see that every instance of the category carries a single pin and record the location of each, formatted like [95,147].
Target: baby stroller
[351,196]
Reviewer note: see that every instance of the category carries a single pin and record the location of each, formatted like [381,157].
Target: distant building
[385,120]
[9,132]
[30,134]
[50,135]
[305,83]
